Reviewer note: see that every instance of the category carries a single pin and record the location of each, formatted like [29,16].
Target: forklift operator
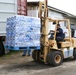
[59,34]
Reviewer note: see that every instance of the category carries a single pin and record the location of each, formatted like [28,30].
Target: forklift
[49,52]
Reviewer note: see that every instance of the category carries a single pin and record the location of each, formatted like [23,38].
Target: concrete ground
[15,64]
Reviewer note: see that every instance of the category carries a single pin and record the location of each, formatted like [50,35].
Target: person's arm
[57,31]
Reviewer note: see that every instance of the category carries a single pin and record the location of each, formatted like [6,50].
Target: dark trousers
[59,40]
[25,51]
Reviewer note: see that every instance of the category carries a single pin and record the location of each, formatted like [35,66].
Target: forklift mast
[43,14]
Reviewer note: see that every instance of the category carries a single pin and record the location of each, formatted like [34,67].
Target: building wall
[7,8]
[55,15]
[33,11]
[72,20]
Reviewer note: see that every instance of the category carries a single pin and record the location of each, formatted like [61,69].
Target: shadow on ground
[68,60]
[25,66]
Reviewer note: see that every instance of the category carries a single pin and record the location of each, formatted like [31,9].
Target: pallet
[22,48]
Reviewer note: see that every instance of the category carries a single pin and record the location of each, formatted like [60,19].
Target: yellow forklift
[49,52]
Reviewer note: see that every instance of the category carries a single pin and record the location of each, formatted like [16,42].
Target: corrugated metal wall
[7,8]
[32,11]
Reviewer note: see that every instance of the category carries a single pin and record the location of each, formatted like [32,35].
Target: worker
[25,52]
[59,34]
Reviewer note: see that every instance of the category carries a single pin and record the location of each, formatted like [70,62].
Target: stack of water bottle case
[23,31]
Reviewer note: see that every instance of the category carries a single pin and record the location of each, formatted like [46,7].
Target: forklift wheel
[54,58]
[74,53]
[35,55]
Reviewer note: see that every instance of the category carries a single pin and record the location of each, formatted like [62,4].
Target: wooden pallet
[22,48]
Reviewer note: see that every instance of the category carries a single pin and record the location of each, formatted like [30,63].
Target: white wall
[32,11]
[55,15]
[7,8]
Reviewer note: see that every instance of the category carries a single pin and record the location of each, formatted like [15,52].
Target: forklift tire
[55,58]
[74,53]
[2,50]
[35,55]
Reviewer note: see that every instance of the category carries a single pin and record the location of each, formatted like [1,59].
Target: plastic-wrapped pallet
[23,31]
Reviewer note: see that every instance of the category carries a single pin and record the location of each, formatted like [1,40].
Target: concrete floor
[26,66]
